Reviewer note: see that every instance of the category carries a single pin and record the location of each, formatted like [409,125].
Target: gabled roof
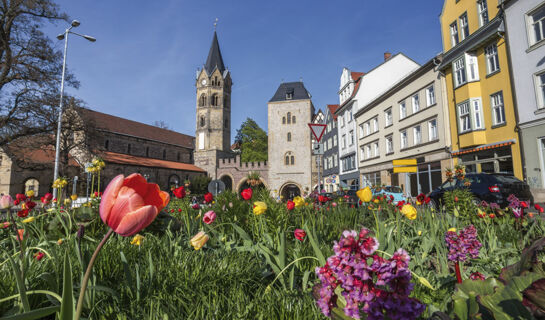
[121,158]
[332,108]
[214,59]
[107,122]
[297,90]
[356,88]
[356,75]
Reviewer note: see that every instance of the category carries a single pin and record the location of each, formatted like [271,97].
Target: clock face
[203,82]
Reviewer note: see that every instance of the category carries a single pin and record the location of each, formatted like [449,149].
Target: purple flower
[494,206]
[462,245]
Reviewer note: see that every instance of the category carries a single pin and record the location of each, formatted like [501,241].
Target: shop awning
[484,147]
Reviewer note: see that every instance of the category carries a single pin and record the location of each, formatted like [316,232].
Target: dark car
[349,197]
[489,187]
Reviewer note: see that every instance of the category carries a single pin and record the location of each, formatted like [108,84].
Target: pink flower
[209,217]
[130,204]
[6,202]
[300,234]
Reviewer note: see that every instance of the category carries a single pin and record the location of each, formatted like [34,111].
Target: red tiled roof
[356,75]
[115,124]
[356,86]
[147,162]
[332,108]
[36,150]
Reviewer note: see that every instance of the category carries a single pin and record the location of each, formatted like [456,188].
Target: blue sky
[143,65]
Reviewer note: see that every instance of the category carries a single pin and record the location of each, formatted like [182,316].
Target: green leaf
[20,282]
[68,310]
[305,279]
[315,247]
[241,232]
[34,314]
[127,270]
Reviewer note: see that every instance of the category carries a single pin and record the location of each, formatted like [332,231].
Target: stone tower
[213,116]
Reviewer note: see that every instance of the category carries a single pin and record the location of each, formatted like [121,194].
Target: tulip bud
[199,240]
[6,202]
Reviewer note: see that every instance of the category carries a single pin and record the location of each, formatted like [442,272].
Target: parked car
[349,196]
[393,191]
[490,187]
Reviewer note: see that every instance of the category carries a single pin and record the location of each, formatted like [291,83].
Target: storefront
[331,183]
[350,181]
[492,158]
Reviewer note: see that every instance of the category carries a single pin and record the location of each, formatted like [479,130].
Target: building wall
[331,151]
[238,171]
[300,145]
[526,64]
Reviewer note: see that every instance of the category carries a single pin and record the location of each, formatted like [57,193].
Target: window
[202,121]
[328,127]
[388,117]
[129,148]
[335,160]
[402,110]
[289,117]
[147,151]
[343,141]
[362,153]
[342,120]
[417,135]
[178,156]
[330,143]
[482,8]
[464,27]
[459,72]
[202,100]
[473,67]
[416,103]
[289,95]
[350,115]
[368,151]
[492,62]
[375,125]
[432,130]
[430,96]
[454,34]
[283,120]
[464,117]
[375,147]
[498,110]
[536,25]
[289,159]
[335,140]
[477,116]
[362,133]
[289,136]
[293,119]
[367,129]
[215,100]
[403,139]
[164,154]
[540,90]
[107,144]
[389,144]
[351,137]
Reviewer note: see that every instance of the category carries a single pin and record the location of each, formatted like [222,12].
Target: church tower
[213,116]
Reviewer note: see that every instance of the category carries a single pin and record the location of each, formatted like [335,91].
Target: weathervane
[215,24]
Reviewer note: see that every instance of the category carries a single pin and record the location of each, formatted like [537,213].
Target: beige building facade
[408,121]
[290,158]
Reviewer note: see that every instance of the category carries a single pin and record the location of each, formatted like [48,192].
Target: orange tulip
[130,204]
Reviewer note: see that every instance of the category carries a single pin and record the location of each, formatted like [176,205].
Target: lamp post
[64,36]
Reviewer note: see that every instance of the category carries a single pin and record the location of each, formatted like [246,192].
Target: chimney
[387,55]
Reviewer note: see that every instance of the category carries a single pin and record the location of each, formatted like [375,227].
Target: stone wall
[238,171]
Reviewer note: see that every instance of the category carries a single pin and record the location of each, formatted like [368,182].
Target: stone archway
[243,184]
[289,191]
[228,181]
[32,184]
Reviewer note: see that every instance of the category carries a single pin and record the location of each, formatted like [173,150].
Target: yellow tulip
[29,219]
[419,232]
[30,193]
[137,240]
[409,211]
[60,241]
[67,201]
[299,202]
[452,230]
[259,207]
[74,197]
[199,240]
[365,194]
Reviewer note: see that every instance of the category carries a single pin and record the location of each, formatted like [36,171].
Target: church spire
[214,59]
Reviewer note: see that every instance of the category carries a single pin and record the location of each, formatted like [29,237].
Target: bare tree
[30,69]
[161,124]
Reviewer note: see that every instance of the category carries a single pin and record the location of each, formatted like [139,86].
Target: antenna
[215,24]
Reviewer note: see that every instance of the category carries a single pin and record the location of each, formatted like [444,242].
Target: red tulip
[179,192]
[5,225]
[290,205]
[179,209]
[48,196]
[39,256]
[196,206]
[16,202]
[300,234]
[247,194]
[20,197]
[492,216]
[30,204]
[208,197]
[23,213]
[209,217]
[538,208]
[455,198]
[322,199]
[130,204]
[171,210]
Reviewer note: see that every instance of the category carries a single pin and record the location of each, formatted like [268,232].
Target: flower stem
[88,274]
[458,273]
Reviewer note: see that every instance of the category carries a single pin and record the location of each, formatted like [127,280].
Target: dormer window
[289,94]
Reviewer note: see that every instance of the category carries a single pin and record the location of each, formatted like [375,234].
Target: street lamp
[64,36]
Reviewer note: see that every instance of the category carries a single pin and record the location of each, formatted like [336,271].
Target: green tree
[253,141]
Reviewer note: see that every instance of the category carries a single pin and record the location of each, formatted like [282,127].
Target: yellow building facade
[480,101]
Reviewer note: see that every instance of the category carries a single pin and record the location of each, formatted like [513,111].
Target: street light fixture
[74,24]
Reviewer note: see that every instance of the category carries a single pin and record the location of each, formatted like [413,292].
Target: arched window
[289,117]
[215,81]
[147,151]
[292,160]
[293,119]
[283,120]
[215,100]
[178,156]
[164,154]
[32,184]
[289,159]
[107,144]
[202,121]
[129,149]
[289,136]
[202,100]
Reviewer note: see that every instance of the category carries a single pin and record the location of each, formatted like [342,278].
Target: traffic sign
[216,186]
[318,130]
[318,149]
[405,169]
[404,162]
